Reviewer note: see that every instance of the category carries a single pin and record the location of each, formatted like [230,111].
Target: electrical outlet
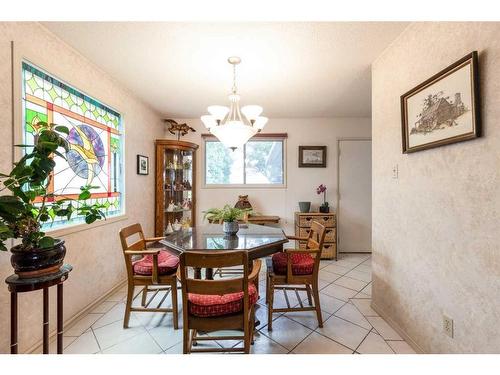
[448,325]
[395,172]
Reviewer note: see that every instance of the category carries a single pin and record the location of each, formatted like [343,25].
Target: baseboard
[397,328]
[355,252]
[71,321]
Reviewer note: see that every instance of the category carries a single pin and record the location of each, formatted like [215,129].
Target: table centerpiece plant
[26,204]
[228,216]
[324,208]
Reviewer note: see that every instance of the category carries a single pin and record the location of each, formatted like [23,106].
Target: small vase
[305,206]
[230,227]
[324,209]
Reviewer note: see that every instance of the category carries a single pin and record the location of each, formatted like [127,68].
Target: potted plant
[28,205]
[321,189]
[228,216]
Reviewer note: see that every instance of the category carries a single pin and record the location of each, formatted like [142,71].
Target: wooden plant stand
[18,285]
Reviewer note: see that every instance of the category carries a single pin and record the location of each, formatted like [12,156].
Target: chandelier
[228,124]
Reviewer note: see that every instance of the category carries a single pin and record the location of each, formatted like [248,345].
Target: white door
[355,196]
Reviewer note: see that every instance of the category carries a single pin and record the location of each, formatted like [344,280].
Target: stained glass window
[95,155]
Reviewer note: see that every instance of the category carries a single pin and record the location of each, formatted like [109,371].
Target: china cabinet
[175,185]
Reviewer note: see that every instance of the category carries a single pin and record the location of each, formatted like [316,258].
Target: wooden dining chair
[292,267]
[154,271]
[222,304]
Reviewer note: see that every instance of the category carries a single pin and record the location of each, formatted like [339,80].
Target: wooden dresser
[303,224]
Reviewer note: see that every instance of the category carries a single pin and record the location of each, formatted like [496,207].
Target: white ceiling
[291,69]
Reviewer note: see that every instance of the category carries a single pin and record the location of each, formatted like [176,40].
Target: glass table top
[211,237]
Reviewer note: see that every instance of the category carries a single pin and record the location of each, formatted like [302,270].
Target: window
[95,137]
[259,162]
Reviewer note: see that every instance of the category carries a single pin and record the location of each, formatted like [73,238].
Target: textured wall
[301,182]
[436,228]
[95,253]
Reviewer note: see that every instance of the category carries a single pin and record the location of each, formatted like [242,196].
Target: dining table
[258,240]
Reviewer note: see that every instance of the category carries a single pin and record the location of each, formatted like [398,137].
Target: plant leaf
[62,129]
[84,195]
[46,242]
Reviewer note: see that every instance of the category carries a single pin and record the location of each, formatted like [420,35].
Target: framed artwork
[444,109]
[312,156]
[142,165]
[95,155]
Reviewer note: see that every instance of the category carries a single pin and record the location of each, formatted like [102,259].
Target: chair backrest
[131,230]
[219,259]
[316,236]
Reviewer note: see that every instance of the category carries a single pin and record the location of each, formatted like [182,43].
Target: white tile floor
[350,324]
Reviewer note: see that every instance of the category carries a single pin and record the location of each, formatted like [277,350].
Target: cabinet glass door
[178,189]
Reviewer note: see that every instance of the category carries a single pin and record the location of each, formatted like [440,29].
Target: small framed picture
[142,165]
[312,156]
[444,109]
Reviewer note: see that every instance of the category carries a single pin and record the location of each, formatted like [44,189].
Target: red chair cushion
[302,264]
[167,264]
[206,305]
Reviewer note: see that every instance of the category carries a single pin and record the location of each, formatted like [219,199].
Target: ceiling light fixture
[228,124]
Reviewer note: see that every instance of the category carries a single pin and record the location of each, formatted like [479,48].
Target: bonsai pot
[230,227]
[305,206]
[37,262]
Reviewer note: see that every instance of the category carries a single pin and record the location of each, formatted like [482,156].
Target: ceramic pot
[324,209]
[230,227]
[305,206]
[37,262]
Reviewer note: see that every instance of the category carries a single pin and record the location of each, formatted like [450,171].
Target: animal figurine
[243,202]
[181,129]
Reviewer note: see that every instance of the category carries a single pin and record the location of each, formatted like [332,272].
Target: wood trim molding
[397,328]
[174,143]
[258,135]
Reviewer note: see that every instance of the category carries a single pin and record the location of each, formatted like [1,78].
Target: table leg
[45,320]
[60,329]
[13,323]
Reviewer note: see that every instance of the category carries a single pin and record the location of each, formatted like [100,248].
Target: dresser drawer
[306,220]
[330,236]
[329,249]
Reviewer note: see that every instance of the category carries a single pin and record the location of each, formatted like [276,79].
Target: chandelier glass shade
[231,125]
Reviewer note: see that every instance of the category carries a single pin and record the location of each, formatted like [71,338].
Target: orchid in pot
[324,208]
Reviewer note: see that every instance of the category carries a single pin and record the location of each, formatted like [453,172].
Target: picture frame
[444,109]
[142,165]
[312,156]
